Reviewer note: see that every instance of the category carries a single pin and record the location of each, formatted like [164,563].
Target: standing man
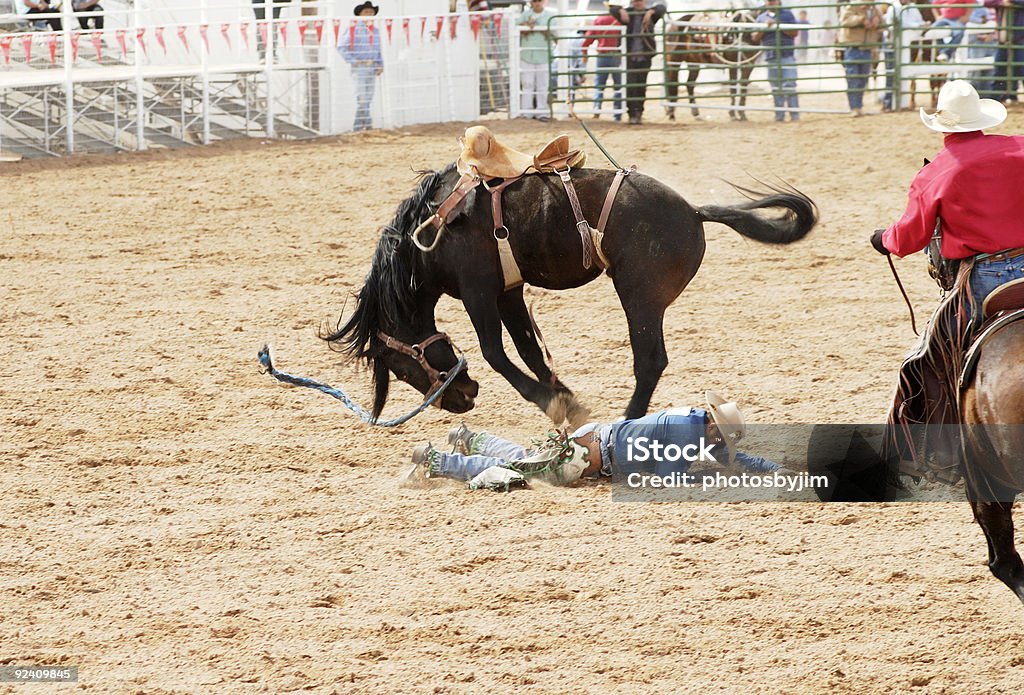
[1009,58]
[535,59]
[608,44]
[860,35]
[361,50]
[778,55]
[640,49]
[903,17]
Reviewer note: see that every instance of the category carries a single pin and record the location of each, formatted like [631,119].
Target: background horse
[712,45]
[654,242]
[993,415]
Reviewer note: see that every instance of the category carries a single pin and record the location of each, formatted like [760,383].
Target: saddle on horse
[484,160]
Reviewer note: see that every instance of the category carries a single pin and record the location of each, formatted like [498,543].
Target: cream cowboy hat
[961,110]
[481,151]
[728,418]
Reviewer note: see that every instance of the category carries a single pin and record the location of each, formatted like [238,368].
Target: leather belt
[999,255]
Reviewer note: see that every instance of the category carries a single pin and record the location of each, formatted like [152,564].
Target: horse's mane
[387,293]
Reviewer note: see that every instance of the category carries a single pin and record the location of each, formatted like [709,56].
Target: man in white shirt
[910,27]
[34,7]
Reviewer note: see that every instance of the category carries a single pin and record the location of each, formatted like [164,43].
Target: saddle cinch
[484,160]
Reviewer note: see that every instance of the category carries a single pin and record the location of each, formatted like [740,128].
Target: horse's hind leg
[671,89]
[516,318]
[996,521]
[691,83]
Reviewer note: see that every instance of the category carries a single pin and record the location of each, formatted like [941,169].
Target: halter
[417,351]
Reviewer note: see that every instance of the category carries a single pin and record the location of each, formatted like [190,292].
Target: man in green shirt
[534,59]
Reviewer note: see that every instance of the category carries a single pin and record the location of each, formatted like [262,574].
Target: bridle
[417,351]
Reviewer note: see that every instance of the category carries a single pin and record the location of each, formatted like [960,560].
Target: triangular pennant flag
[243,29]
[224,29]
[337,29]
[119,34]
[497,23]
[183,36]
[159,31]
[387,25]
[261,27]
[75,37]
[453,22]
[97,43]
[139,34]
[283,29]
[5,44]
[474,24]
[203,29]
[352,34]
[369,30]
[405,28]
[26,43]
[318,27]
[423,26]
[440,26]
[301,26]
[51,41]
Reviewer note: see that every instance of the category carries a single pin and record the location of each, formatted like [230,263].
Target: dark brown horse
[993,436]
[654,242]
[708,40]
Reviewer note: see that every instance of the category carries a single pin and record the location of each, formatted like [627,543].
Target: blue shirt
[360,53]
[774,37]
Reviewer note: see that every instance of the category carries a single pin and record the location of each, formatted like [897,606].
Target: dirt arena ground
[174,521]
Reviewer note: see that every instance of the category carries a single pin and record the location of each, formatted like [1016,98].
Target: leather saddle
[485,157]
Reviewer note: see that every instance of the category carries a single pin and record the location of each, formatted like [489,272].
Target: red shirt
[607,41]
[975,185]
[951,12]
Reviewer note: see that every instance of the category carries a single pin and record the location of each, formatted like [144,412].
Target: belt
[999,255]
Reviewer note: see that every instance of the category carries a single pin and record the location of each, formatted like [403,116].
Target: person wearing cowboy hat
[708,434]
[361,50]
[970,195]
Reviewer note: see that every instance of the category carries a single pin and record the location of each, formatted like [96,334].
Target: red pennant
[224,29]
[370,28]
[203,29]
[97,43]
[261,27]
[181,35]
[337,29]
[423,26]
[474,24]
[318,27]
[51,41]
[352,34]
[405,28]
[302,32]
[497,23]
[119,34]
[283,29]
[440,26]
[75,36]
[387,25]
[452,23]
[26,43]
[139,34]
[5,44]
[243,29]
[159,31]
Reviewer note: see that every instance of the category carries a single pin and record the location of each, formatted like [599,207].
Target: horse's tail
[799,215]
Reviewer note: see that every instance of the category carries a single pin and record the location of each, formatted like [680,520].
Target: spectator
[608,46]
[903,16]
[859,36]
[577,65]
[89,6]
[640,50]
[535,59]
[778,55]
[956,19]
[982,44]
[803,35]
[1009,60]
[31,7]
[362,52]
[597,449]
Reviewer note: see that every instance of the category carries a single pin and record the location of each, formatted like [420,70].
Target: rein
[899,283]
[417,351]
[268,364]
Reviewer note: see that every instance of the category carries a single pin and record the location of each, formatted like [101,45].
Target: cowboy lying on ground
[616,449]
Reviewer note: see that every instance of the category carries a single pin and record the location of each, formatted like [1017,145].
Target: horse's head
[423,362]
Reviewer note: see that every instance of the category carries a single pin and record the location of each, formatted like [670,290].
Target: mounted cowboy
[966,203]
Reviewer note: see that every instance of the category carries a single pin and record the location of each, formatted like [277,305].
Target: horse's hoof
[564,406]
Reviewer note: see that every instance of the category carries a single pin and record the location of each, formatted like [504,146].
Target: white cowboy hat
[961,110]
[728,418]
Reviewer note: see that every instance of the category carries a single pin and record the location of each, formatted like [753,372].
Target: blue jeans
[986,276]
[782,78]
[365,79]
[487,451]
[857,62]
[1007,76]
[609,66]
[955,37]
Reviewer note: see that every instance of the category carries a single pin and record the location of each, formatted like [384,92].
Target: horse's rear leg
[691,83]
[516,318]
[996,521]
[671,91]
[647,338]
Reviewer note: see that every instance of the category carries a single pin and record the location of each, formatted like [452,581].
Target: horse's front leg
[993,510]
[557,405]
[671,90]
[516,318]
[691,83]
[740,93]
